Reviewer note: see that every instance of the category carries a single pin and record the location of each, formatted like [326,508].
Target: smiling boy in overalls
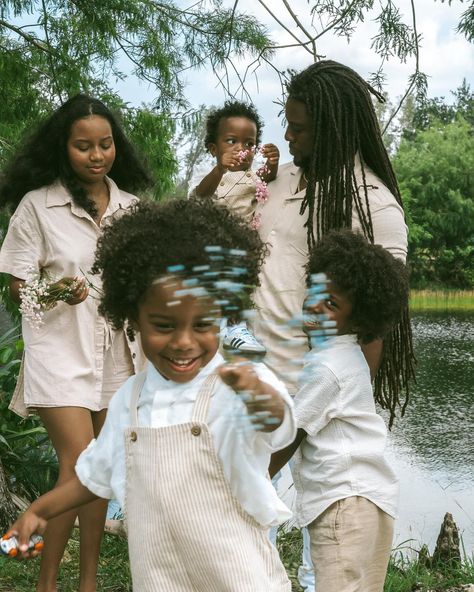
[186,444]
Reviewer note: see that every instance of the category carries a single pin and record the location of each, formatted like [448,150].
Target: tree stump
[447,545]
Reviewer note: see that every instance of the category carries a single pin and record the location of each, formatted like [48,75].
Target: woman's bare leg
[91,522]
[70,430]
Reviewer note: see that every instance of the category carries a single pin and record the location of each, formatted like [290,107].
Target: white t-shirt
[244,452]
[343,453]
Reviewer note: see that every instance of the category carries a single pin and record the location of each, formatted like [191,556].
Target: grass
[114,574]
[441,300]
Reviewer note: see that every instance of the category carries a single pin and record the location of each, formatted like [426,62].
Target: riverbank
[441,300]
[114,574]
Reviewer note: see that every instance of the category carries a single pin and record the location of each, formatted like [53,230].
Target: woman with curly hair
[186,444]
[66,183]
[347,493]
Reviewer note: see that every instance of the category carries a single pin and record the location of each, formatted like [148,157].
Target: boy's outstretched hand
[28,524]
[263,402]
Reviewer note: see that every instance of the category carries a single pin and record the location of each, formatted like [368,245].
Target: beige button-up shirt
[64,358]
[279,299]
[236,192]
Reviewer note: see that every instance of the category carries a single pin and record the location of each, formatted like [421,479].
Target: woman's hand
[263,402]
[78,290]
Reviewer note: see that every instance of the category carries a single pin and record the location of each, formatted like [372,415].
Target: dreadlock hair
[202,243]
[344,127]
[231,109]
[43,157]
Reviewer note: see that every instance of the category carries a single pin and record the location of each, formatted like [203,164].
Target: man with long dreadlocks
[340,177]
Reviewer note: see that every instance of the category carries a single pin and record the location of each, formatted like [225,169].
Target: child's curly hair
[372,279]
[231,109]
[145,242]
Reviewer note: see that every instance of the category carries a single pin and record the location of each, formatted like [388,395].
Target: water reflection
[432,447]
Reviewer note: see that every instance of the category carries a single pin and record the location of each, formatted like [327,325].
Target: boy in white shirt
[186,445]
[346,491]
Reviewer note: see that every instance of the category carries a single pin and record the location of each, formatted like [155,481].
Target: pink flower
[243,155]
[261,191]
[256,221]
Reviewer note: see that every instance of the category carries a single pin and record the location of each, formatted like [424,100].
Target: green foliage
[151,133]
[424,113]
[27,455]
[82,44]
[435,171]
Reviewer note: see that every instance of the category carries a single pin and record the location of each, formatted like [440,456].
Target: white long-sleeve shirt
[243,451]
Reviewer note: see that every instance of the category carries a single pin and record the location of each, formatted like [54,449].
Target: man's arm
[373,355]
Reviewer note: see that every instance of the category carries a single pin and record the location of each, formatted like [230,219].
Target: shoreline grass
[442,300]
[404,575]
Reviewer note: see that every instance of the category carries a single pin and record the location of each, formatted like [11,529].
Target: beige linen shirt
[74,358]
[279,298]
[236,192]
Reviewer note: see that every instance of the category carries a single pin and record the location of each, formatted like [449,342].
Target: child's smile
[179,334]
[336,306]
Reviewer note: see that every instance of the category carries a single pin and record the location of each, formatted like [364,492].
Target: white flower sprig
[40,293]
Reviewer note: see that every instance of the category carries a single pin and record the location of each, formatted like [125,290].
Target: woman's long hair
[43,157]
[344,127]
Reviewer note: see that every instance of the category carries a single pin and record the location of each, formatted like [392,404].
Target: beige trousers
[350,546]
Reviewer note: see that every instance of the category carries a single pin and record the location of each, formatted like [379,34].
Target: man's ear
[212,149]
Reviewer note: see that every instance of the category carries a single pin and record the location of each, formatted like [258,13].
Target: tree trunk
[447,546]
[8,510]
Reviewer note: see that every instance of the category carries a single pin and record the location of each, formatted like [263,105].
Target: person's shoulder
[125,198]
[35,200]
[289,168]
[377,192]
[342,356]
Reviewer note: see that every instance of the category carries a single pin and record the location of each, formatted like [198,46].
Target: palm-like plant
[27,456]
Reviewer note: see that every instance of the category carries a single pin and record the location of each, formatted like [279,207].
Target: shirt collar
[58,195]
[295,176]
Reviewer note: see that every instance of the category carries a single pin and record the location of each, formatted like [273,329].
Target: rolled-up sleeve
[23,248]
[286,431]
[388,223]
[100,467]
[316,401]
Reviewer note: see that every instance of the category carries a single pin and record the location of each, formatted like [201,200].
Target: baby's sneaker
[240,339]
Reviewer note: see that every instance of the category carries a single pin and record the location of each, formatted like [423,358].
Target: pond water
[432,447]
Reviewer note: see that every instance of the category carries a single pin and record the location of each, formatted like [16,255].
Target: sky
[445,56]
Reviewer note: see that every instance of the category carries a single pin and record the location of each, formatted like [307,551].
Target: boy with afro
[346,491]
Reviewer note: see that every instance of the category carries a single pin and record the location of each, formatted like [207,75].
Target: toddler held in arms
[233,134]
